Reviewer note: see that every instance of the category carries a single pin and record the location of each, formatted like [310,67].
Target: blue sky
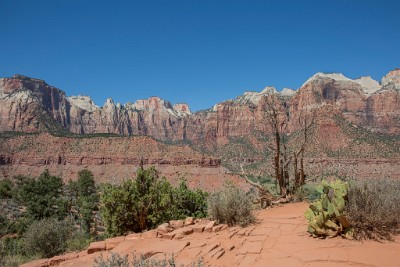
[195,51]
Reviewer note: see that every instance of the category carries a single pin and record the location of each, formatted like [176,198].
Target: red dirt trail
[278,239]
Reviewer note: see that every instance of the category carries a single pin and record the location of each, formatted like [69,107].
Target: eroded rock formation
[353,119]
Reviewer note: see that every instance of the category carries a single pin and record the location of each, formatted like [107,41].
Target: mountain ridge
[350,121]
[285,91]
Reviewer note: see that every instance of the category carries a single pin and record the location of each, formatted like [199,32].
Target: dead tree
[278,117]
[306,119]
[265,198]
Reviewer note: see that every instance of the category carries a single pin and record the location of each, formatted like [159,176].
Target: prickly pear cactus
[325,216]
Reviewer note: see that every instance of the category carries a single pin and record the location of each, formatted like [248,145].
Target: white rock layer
[84,102]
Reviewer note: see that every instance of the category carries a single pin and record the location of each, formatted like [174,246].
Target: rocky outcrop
[235,131]
[27,104]
[363,101]
[154,117]
[30,105]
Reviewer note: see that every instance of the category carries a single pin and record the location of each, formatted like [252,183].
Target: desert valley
[353,131]
[285,147]
[199,133]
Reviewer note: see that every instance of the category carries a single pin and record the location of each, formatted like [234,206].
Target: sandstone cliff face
[28,104]
[154,117]
[235,131]
[363,102]
[111,159]
[25,102]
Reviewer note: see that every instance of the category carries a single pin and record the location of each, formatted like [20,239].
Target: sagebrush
[231,206]
[116,260]
[373,208]
[47,238]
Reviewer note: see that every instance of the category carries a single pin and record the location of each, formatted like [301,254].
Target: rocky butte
[357,120]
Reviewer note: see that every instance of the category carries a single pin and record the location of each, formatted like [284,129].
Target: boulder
[164,228]
[198,228]
[180,233]
[209,226]
[189,221]
[150,234]
[176,224]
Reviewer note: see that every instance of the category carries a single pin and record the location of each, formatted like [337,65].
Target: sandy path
[279,239]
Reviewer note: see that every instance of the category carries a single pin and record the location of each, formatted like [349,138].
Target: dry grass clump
[374,208]
[231,206]
[116,260]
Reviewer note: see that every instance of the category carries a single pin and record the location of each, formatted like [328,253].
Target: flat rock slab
[198,228]
[58,259]
[96,246]
[153,246]
[113,242]
[251,248]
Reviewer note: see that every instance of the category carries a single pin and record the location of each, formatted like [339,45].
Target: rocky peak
[368,84]
[254,97]
[332,76]
[152,103]
[269,90]
[83,102]
[26,78]
[156,104]
[393,77]
[182,109]
[287,92]
[109,104]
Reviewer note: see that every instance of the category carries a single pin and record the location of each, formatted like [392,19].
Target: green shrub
[189,203]
[3,254]
[300,194]
[41,196]
[312,191]
[10,252]
[47,238]
[78,241]
[6,187]
[326,216]
[307,192]
[231,205]
[146,202]
[373,208]
[83,199]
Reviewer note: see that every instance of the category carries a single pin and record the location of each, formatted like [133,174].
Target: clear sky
[195,51]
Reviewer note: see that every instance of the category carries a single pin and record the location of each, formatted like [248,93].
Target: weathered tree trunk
[302,174]
[277,161]
[296,171]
